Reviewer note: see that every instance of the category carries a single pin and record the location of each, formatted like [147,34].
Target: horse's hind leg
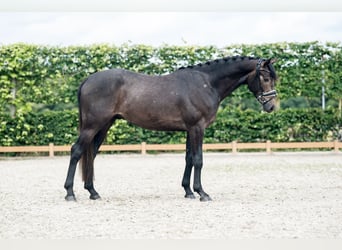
[101,135]
[98,139]
[78,150]
[76,153]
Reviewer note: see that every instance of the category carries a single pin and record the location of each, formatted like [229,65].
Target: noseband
[271,94]
[264,97]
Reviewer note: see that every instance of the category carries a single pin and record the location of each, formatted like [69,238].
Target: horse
[184,100]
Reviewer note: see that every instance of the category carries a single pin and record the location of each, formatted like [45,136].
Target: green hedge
[32,128]
[60,128]
[32,75]
[35,79]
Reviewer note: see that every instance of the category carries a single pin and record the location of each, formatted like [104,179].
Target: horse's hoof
[190,196]
[94,197]
[70,198]
[205,198]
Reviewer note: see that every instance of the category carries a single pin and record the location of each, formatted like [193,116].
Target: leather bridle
[267,96]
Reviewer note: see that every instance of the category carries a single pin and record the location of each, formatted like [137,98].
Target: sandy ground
[284,195]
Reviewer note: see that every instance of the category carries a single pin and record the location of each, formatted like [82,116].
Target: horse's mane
[272,71]
[228,60]
[224,60]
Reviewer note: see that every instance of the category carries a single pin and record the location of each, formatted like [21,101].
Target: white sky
[175,28]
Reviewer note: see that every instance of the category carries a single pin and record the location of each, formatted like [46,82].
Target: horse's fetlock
[185,184]
[68,185]
[197,189]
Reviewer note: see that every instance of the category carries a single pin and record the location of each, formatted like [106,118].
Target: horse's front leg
[187,171]
[196,141]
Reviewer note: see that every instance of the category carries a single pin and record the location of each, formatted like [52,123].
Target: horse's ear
[269,61]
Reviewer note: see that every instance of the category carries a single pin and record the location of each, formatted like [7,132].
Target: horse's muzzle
[267,100]
[269,107]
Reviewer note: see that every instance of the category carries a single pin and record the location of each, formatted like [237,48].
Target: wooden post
[51,152]
[268,147]
[336,146]
[234,147]
[143,148]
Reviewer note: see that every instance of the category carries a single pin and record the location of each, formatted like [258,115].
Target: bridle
[264,97]
[261,98]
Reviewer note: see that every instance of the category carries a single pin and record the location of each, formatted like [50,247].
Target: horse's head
[261,83]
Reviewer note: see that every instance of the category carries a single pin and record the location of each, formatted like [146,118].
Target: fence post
[234,147]
[143,148]
[51,152]
[268,147]
[336,146]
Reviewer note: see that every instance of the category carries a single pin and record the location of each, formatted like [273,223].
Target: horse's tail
[87,158]
[87,163]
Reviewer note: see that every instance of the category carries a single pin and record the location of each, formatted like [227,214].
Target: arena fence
[143,148]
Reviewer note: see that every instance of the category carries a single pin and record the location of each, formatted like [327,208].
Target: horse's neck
[227,77]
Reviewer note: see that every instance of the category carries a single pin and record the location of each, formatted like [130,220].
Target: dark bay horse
[185,100]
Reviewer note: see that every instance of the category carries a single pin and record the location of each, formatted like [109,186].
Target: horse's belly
[149,121]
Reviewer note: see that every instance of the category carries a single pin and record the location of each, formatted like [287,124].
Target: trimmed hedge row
[43,78]
[34,75]
[60,128]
